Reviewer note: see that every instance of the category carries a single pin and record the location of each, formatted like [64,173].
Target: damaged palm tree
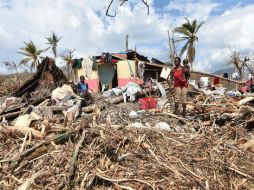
[53,41]
[32,54]
[121,3]
[189,32]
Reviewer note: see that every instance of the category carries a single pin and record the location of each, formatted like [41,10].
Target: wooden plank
[220,77]
[10,115]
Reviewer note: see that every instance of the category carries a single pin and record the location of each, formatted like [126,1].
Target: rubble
[51,142]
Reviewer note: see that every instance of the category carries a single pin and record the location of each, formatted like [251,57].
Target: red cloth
[179,77]
[246,88]
[216,80]
[103,60]
[114,61]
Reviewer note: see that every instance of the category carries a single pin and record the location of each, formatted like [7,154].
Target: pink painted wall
[123,81]
[93,84]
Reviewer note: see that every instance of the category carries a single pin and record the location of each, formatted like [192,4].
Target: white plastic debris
[131,90]
[117,91]
[203,82]
[107,93]
[73,112]
[137,125]
[233,93]
[160,87]
[133,115]
[165,72]
[125,97]
[161,102]
[193,84]
[25,120]
[162,126]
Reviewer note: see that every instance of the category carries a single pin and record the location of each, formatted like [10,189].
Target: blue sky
[84,27]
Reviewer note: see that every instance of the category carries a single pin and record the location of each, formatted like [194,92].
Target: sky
[84,27]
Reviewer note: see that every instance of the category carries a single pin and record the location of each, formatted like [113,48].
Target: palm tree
[52,41]
[68,57]
[189,31]
[32,54]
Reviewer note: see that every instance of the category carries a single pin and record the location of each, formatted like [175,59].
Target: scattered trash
[163,126]
[162,102]
[147,103]
[133,115]
[203,82]
[117,91]
[63,93]
[137,125]
[46,131]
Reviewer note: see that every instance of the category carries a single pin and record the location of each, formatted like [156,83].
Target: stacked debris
[114,144]
[47,77]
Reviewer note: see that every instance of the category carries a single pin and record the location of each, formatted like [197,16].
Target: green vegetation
[189,32]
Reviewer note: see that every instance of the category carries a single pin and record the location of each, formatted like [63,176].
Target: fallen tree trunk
[88,109]
[73,163]
[117,100]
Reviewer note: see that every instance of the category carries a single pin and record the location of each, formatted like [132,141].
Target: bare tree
[242,61]
[249,64]
[67,58]
[12,66]
[235,58]
[121,3]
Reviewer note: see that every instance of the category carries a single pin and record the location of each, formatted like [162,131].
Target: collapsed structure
[49,141]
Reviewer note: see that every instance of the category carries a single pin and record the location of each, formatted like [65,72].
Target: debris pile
[52,142]
[47,78]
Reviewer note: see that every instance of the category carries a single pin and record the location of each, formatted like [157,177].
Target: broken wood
[26,185]
[88,109]
[181,119]
[117,100]
[10,115]
[245,100]
[73,163]
[24,130]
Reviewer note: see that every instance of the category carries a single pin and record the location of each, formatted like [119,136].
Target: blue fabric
[82,87]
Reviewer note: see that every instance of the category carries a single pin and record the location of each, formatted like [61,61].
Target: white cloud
[234,29]
[193,9]
[84,26]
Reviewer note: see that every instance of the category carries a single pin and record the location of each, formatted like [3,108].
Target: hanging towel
[87,65]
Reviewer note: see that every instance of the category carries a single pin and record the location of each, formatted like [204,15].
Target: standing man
[180,76]
[83,91]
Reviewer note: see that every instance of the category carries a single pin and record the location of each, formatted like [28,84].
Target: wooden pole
[126,42]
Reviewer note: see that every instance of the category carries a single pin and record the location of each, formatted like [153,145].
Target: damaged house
[111,70]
